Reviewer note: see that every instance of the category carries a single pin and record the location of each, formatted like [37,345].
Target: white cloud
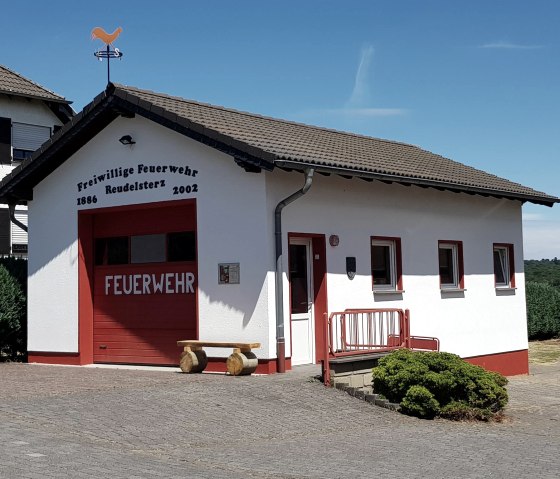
[532,216]
[510,46]
[359,103]
[358,112]
[361,93]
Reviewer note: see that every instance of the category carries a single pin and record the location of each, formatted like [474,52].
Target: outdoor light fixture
[127,140]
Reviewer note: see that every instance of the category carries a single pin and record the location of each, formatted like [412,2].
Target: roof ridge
[34,83]
[265,117]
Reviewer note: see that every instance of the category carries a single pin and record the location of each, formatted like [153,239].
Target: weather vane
[110,51]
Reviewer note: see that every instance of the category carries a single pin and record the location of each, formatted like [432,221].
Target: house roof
[257,142]
[13,83]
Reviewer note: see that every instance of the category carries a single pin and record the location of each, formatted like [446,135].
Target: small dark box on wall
[351,266]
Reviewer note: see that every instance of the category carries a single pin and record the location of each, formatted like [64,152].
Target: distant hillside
[543,271]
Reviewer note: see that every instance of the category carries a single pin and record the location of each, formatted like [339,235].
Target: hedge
[13,321]
[543,310]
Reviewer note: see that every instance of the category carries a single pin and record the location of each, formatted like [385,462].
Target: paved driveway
[72,422]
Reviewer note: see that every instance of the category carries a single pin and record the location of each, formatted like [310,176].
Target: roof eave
[36,97]
[409,180]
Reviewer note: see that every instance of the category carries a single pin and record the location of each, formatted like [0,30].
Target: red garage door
[145,284]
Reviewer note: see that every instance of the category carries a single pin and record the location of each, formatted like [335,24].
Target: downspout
[280,339]
[13,219]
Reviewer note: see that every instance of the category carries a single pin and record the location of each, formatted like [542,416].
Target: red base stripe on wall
[511,363]
[265,366]
[215,365]
[72,359]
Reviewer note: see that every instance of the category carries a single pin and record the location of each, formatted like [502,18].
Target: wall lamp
[127,140]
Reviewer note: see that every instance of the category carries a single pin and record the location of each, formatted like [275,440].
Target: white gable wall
[231,229]
[477,322]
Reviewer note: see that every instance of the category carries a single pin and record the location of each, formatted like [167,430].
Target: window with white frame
[503,266]
[451,264]
[386,264]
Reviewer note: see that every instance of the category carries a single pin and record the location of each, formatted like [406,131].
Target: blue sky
[477,81]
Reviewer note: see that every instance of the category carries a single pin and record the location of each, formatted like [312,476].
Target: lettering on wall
[139,178]
[161,283]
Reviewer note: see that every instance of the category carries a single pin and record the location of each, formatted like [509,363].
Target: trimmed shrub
[543,310]
[420,402]
[429,384]
[13,330]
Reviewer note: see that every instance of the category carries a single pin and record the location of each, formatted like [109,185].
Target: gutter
[421,182]
[280,339]
[12,210]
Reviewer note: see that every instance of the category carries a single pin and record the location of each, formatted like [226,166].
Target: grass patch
[544,352]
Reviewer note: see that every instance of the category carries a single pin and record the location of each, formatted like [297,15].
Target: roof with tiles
[313,145]
[265,143]
[13,83]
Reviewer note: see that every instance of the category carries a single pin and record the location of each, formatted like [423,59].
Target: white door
[301,302]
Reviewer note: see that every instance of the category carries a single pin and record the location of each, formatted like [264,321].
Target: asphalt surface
[70,422]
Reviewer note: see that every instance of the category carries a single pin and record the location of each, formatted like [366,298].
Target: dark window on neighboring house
[20,155]
[5,141]
[5,229]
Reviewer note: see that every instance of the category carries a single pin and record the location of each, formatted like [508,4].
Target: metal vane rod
[108,54]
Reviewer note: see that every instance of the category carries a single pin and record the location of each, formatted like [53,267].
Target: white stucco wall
[235,225]
[231,229]
[480,321]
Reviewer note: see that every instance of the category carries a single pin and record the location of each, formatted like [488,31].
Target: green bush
[419,401]
[543,310]
[13,330]
[429,384]
[17,267]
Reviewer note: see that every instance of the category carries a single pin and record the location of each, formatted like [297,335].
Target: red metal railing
[366,331]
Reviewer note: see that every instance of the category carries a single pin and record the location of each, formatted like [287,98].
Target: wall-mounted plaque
[228,273]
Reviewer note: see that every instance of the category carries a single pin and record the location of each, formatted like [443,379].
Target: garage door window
[111,251]
[181,246]
[147,248]
[153,248]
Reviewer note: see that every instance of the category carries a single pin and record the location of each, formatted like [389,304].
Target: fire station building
[154,219]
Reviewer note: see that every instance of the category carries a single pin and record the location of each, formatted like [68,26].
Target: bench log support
[240,363]
[193,360]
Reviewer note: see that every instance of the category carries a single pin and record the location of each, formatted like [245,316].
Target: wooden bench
[241,362]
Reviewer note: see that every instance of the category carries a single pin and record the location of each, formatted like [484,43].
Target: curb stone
[375,399]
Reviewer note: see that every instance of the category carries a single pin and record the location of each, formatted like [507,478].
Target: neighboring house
[154,218]
[29,113]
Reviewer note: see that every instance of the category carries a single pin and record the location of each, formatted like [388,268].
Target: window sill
[452,290]
[505,291]
[388,291]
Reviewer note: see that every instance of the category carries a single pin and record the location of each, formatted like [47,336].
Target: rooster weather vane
[109,51]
